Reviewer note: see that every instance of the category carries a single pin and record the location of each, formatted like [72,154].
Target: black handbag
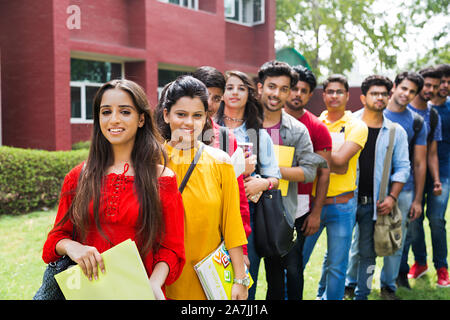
[274,230]
[49,289]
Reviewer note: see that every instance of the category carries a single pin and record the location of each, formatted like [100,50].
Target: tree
[326,32]
[438,50]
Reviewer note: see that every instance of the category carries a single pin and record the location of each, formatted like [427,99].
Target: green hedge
[81,145]
[32,179]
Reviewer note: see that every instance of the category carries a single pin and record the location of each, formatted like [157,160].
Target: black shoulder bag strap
[223,139]
[258,164]
[417,126]
[434,118]
[191,168]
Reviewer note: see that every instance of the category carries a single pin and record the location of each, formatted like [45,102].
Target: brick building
[55,54]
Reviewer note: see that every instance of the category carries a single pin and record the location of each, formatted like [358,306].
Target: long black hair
[145,156]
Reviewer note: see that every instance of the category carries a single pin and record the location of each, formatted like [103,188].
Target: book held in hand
[125,277]
[216,274]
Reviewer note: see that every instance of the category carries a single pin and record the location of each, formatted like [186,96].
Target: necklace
[232,119]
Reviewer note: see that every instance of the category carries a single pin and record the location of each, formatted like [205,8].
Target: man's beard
[375,109]
[428,97]
[439,94]
[294,107]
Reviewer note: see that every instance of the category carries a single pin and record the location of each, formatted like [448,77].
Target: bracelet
[390,195]
[270,185]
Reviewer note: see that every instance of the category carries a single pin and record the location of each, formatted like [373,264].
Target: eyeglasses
[333,92]
[377,94]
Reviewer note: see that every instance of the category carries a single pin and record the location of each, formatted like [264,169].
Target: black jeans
[293,264]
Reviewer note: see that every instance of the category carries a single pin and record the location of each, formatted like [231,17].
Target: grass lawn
[21,266]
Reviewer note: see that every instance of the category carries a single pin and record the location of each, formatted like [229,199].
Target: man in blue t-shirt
[406,86]
[436,186]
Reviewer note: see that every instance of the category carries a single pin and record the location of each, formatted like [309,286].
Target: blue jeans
[362,254]
[391,264]
[351,278]
[435,212]
[339,219]
[254,258]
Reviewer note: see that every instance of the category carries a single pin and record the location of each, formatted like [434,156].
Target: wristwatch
[245,281]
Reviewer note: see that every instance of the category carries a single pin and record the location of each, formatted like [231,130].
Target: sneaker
[349,293]
[402,281]
[388,294]
[443,280]
[417,271]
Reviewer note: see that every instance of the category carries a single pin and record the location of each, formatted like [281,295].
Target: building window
[246,12]
[86,76]
[165,76]
[191,4]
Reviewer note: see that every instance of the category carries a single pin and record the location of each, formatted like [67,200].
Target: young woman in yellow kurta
[211,196]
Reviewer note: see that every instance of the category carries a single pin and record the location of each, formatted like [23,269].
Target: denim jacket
[400,157]
[295,134]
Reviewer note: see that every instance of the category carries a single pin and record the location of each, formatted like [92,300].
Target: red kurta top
[245,211]
[119,213]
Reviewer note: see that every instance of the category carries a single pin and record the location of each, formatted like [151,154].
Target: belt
[342,198]
[365,200]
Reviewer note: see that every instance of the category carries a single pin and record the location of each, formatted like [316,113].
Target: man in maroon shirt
[308,207]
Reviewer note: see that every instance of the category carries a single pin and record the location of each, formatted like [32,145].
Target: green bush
[32,179]
[81,145]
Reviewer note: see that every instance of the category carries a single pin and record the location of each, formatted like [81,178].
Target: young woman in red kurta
[121,192]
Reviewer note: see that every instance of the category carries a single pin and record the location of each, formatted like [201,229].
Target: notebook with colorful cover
[216,274]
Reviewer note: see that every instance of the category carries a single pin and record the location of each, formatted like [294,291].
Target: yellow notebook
[216,274]
[285,156]
[125,277]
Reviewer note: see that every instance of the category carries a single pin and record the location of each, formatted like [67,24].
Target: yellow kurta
[211,205]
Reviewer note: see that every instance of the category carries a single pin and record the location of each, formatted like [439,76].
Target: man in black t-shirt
[375,97]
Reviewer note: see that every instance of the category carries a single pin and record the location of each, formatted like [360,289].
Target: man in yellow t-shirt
[349,136]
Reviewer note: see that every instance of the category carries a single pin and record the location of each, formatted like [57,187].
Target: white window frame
[232,13]
[82,85]
[231,7]
[192,4]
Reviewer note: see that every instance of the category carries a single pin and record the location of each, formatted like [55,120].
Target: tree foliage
[327,32]
[421,12]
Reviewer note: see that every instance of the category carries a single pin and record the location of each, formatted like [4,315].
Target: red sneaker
[417,271]
[443,280]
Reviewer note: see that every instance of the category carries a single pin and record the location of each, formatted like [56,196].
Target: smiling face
[186,119]
[444,87]
[430,88]
[236,93]
[274,92]
[119,118]
[404,93]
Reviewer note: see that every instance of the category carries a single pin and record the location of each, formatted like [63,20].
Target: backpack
[434,118]
[417,126]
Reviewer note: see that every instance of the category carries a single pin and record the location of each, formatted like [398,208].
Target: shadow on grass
[424,288]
